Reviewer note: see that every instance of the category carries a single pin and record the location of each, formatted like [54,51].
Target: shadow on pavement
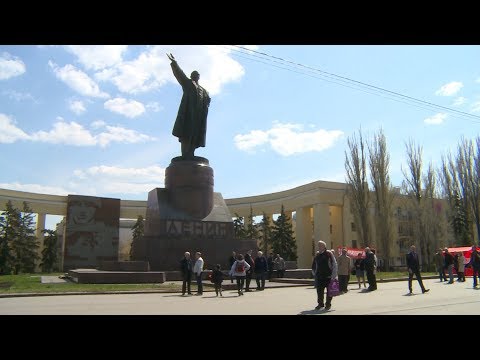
[314,312]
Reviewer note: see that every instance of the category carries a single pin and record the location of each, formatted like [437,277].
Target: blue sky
[97,120]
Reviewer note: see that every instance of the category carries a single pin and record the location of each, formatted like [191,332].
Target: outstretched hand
[170,56]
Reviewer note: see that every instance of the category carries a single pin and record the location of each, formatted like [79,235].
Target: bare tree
[412,186]
[358,191]
[460,184]
[434,219]
[382,192]
[469,175]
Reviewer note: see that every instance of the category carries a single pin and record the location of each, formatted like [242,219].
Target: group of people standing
[326,268]
[242,268]
[187,267]
[445,261]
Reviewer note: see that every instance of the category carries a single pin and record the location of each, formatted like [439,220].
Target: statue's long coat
[191,122]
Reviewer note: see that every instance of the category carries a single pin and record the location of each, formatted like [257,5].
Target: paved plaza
[391,298]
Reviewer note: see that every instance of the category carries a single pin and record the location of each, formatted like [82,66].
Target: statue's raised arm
[191,123]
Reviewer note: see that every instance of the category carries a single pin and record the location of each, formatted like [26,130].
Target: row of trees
[272,236]
[19,245]
[421,194]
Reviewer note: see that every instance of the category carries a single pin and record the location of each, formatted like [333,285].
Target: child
[217,279]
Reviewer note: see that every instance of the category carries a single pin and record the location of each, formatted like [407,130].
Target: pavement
[391,298]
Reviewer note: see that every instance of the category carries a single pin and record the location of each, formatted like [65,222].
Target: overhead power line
[278,62]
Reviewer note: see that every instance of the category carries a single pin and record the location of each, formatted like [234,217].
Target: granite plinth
[124,266]
[189,185]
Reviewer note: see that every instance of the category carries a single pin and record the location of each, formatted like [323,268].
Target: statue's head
[195,75]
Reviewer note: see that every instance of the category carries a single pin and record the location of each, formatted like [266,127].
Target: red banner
[467,253]
[352,252]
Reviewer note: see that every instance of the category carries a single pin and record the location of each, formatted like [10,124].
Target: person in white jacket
[239,270]
[197,270]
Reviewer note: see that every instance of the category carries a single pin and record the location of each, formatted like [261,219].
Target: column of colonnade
[39,234]
[303,237]
[321,223]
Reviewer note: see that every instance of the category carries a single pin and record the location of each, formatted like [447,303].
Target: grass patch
[31,283]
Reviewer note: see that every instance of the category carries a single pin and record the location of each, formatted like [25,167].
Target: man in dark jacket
[370,264]
[231,260]
[325,268]
[260,269]
[251,262]
[449,264]
[414,268]
[186,269]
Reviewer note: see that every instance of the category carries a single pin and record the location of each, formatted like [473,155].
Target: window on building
[331,229]
[354,227]
[354,244]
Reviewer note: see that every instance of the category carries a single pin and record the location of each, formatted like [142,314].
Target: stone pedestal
[189,184]
[188,216]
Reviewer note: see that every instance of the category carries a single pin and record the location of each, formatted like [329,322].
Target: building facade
[319,211]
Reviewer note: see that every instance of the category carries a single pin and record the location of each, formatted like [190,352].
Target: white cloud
[154,106]
[288,139]
[105,74]
[101,180]
[121,135]
[251,140]
[35,188]
[148,71]
[475,107]
[66,133]
[9,132]
[19,96]
[435,119]
[222,70]
[97,57]
[150,173]
[459,101]
[120,180]
[97,124]
[151,69]
[128,108]
[449,89]
[77,106]
[77,80]
[10,66]
[71,134]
